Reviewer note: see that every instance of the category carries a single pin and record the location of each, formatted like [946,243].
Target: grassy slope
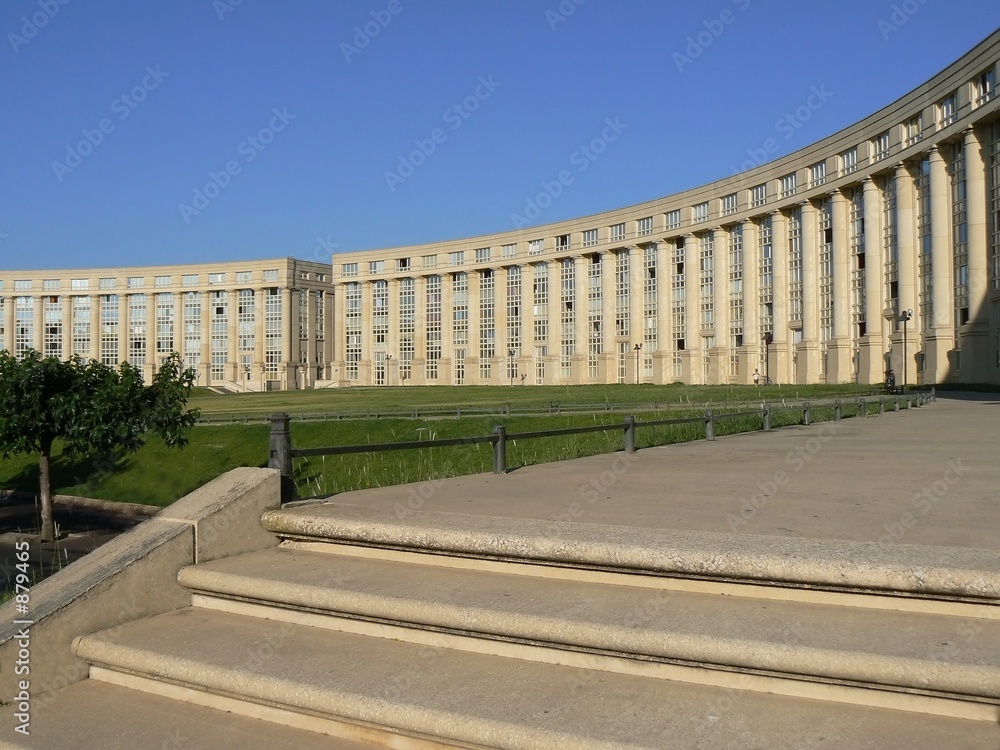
[158,476]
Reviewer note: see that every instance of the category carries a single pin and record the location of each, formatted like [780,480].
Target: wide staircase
[369,628]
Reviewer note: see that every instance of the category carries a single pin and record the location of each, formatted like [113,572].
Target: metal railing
[282,454]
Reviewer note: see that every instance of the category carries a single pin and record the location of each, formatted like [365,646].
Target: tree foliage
[91,408]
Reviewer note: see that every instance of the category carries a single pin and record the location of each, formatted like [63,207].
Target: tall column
[205,366]
[417,367]
[8,325]
[940,333]
[259,335]
[720,354]
[331,330]
[581,345]
[662,357]
[872,346]
[499,369]
[67,326]
[526,358]
[310,368]
[152,359]
[96,327]
[974,341]
[233,371]
[608,359]
[472,349]
[636,297]
[807,352]
[840,350]
[125,327]
[906,274]
[779,365]
[750,351]
[692,372]
[179,324]
[290,334]
[446,370]
[38,329]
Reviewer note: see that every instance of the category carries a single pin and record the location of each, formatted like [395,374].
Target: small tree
[92,408]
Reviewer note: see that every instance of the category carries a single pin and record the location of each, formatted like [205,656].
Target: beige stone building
[802,268]
[244,326]
[877,247]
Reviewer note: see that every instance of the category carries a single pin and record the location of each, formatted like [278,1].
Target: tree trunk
[48,529]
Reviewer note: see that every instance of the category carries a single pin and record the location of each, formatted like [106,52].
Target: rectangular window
[347,270]
[567,317]
[946,112]
[645,226]
[509,251]
[487,323]
[765,280]
[52,331]
[273,330]
[135,282]
[192,329]
[430,261]
[380,314]
[433,323]
[595,318]
[24,325]
[817,174]
[162,281]
[22,285]
[985,86]
[706,257]
[109,330]
[562,242]
[407,327]
[848,161]
[460,309]
[912,131]
[403,264]
[376,266]
[50,285]
[81,326]
[137,330]
[590,237]
[352,329]
[535,247]
[79,284]
[456,259]
[618,232]
[735,298]
[513,320]
[673,219]
[540,301]
[189,279]
[729,204]
[483,255]
[880,146]
[795,281]
[108,283]
[701,212]
[165,331]
[758,195]
[788,185]
[270,275]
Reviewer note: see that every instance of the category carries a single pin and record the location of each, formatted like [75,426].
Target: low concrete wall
[132,576]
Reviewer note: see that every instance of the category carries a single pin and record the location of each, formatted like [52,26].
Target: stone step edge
[881,600]
[901,570]
[378,736]
[790,659]
[584,665]
[109,660]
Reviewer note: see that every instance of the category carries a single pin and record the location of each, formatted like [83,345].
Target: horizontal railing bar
[377,447]
[565,431]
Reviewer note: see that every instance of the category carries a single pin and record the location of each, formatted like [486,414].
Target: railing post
[767,418]
[500,450]
[709,425]
[805,413]
[934,394]
[895,404]
[280,455]
[836,410]
[862,407]
[881,405]
[630,434]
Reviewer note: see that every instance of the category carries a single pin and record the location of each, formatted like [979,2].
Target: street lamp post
[638,348]
[768,338]
[388,359]
[510,366]
[905,317]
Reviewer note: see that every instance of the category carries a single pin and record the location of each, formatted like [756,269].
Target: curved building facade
[801,269]
[875,248]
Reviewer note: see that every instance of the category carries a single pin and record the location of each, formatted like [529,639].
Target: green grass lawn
[157,475]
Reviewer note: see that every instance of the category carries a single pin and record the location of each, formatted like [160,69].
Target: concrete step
[944,574]
[93,714]
[340,683]
[692,635]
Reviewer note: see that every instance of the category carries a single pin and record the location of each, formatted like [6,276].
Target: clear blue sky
[211,75]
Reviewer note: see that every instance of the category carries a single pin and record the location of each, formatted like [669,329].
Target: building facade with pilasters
[243,326]
[802,269]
